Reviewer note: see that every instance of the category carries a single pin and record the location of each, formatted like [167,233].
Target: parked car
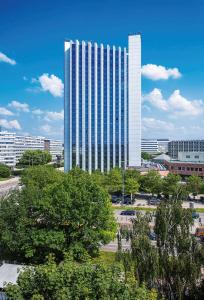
[153,201]
[195,215]
[199,232]
[128,213]
[152,236]
[115,199]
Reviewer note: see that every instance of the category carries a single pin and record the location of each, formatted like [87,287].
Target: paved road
[8,185]
[113,246]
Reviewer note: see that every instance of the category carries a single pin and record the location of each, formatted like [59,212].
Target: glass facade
[96,106]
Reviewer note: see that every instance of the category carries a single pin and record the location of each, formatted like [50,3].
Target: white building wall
[7,148]
[134,100]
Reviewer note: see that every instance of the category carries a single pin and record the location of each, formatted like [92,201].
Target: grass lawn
[3,179]
[126,207]
[105,257]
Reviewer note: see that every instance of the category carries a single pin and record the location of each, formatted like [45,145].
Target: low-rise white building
[7,148]
[13,146]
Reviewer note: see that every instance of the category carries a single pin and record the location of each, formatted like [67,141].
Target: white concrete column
[102,112]
[96,104]
[114,106]
[83,109]
[134,99]
[108,107]
[67,106]
[77,100]
[125,107]
[119,101]
[89,110]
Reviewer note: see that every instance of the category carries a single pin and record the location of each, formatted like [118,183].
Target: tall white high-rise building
[102,107]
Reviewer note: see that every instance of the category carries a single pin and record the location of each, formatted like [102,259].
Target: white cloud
[5,112]
[46,128]
[38,112]
[155,72]
[13,124]
[54,116]
[155,98]
[51,84]
[151,123]
[176,103]
[19,106]
[4,58]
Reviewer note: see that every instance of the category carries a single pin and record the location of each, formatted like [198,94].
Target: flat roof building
[185,146]
[102,105]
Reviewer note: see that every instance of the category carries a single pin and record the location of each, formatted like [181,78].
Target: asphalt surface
[8,185]
[113,246]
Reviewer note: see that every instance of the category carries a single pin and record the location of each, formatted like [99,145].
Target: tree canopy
[73,281]
[5,171]
[35,158]
[173,264]
[55,213]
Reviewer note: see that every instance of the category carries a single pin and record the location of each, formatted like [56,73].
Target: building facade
[13,146]
[7,148]
[163,145]
[149,146]
[185,146]
[102,105]
[54,147]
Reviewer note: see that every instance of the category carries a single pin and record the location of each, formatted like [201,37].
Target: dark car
[128,213]
[152,236]
[115,199]
[195,215]
[153,201]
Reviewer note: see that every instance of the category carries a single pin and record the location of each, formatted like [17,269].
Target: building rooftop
[9,273]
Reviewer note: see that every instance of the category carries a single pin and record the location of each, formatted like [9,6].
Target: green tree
[114,180]
[54,213]
[194,184]
[5,171]
[73,281]
[35,158]
[131,186]
[171,185]
[146,156]
[151,183]
[173,265]
[180,255]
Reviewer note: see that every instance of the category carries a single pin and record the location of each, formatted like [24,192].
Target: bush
[5,171]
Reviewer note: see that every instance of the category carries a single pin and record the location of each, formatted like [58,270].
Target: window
[196,156]
[188,156]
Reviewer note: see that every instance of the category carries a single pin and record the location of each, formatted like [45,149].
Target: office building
[163,145]
[154,146]
[23,143]
[54,147]
[13,146]
[102,107]
[149,146]
[7,148]
[177,146]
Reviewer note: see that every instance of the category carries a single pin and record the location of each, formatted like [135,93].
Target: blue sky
[31,60]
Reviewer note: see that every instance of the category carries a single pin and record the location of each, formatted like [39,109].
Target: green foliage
[171,185]
[173,265]
[73,281]
[35,158]
[194,184]
[151,183]
[55,213]
[131,186]
[5,171]
[114,180]
[146,156]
